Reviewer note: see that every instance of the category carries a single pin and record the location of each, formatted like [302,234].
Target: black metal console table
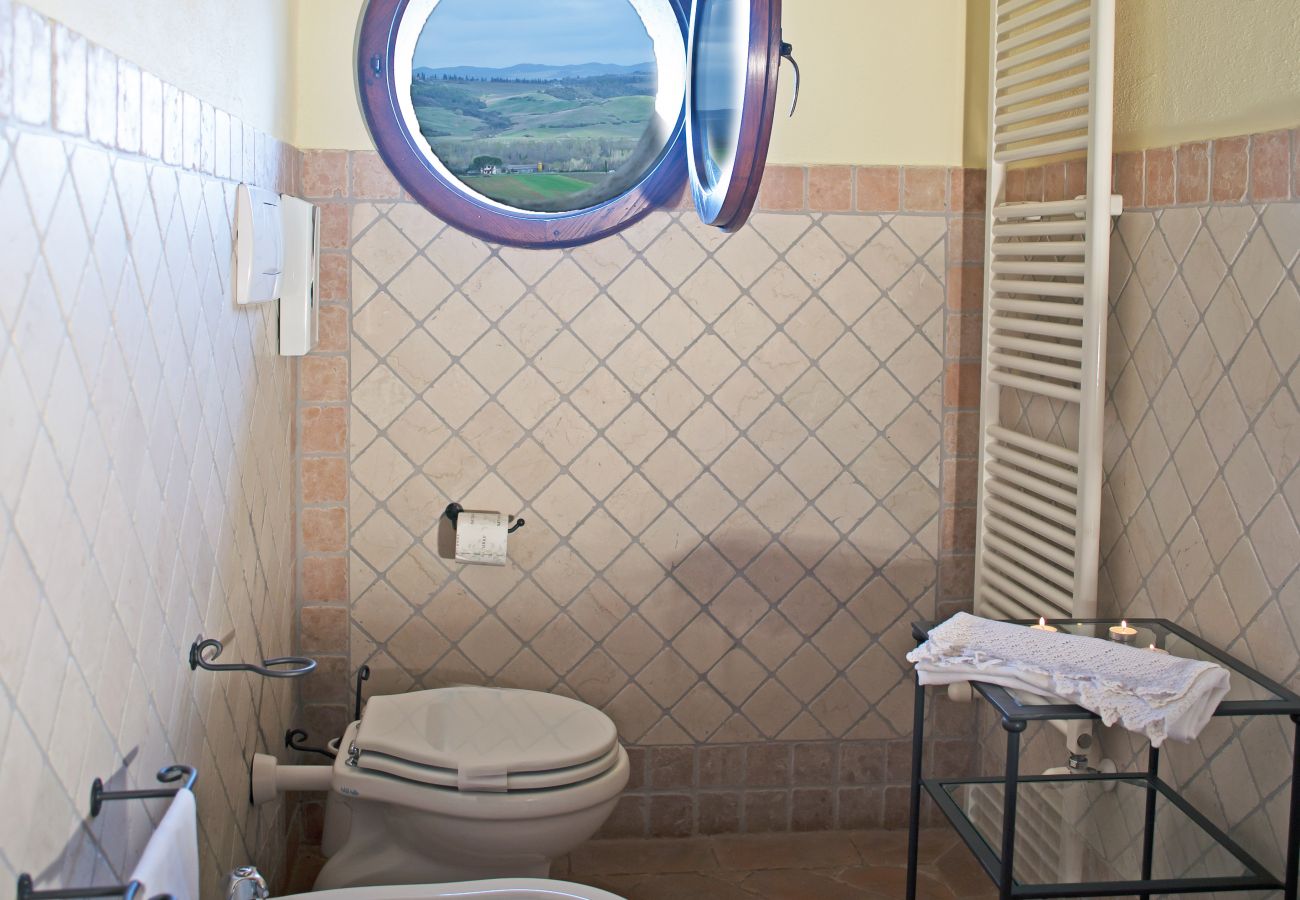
[1124,835]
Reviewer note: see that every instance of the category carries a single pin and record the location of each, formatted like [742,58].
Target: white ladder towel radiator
[1043,385]
[1046,277]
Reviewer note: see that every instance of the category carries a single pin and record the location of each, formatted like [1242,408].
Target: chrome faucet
[246,883]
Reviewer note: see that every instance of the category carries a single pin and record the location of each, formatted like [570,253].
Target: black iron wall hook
[363,675]
[293,740]
[454,510]
[301,664]
[168,775]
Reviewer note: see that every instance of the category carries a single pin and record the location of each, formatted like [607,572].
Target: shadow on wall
[900,589]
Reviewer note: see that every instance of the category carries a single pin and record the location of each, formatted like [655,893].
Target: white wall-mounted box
[299,308]
[277,252]
[259,245]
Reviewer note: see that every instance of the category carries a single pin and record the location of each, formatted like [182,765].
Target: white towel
[170,862]
[1154,694]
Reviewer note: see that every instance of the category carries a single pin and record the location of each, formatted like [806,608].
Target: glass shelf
[1044,837]
[1088,833]
[1250,692]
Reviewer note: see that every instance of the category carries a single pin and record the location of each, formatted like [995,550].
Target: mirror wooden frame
[727,205]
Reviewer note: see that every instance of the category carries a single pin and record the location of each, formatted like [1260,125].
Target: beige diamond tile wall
[145,491]
[727,451]
[1202,491]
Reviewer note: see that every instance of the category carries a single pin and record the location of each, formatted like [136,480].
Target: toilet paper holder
[455,509]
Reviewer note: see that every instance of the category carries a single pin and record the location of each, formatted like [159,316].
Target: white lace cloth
[1154,694]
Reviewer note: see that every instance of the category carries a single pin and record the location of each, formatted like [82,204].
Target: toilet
[458,784]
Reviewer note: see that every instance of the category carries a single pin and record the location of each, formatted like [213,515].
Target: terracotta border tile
[371,179]
[1129,176]
[1034,183]
[1270,166]
[783,189]
[324,429]
[879,189]
[325,578]
[1076,177]
[1295,164]
[830,188]
[1193,172]
[1159,174]
[325,174]
[1229,169]
[925,189]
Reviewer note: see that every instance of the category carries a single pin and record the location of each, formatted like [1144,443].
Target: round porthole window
[556,123]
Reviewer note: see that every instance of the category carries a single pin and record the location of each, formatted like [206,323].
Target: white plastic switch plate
[299,310]
[259,247]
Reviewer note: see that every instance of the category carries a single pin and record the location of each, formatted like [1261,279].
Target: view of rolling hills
[535,136]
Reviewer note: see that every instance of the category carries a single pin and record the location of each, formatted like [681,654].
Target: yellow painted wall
[975,130]
[883,81]
[235,54]
[1192,69]
[1185,70]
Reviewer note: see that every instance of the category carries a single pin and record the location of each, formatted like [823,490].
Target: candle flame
[1042,620]
[1123,623]
[1152,647]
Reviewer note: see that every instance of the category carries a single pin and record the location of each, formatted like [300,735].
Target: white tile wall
[145,467]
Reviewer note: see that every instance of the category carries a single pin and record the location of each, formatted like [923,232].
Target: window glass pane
[718,86]
[540,106]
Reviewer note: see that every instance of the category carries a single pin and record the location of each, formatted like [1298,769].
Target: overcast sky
[500,33]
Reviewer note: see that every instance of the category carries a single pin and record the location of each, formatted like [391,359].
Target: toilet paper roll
[481,537]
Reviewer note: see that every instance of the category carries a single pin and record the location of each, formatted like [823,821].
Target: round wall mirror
[524,122]
[735,55]
[559,122]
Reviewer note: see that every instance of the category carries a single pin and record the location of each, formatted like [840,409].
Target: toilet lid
[478,738]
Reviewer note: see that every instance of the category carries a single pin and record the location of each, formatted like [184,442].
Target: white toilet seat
[521,781]
[479,739]
[380,787]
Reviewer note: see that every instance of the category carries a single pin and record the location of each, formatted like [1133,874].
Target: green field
[577,129]
[525,191]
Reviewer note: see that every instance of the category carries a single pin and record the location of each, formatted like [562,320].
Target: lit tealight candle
[1154,649]
[1122,632]
[1042,625]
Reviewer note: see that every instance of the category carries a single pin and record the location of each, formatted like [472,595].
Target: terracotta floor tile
[880,848]
[786,851]
[959,869]
[869,865]
[686,884]
[303,871]
[798,884]
[888,848]
[891,881]
[635,856]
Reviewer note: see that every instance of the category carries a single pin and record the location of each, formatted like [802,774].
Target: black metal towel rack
[129,891]
[187,775]
[301,664]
